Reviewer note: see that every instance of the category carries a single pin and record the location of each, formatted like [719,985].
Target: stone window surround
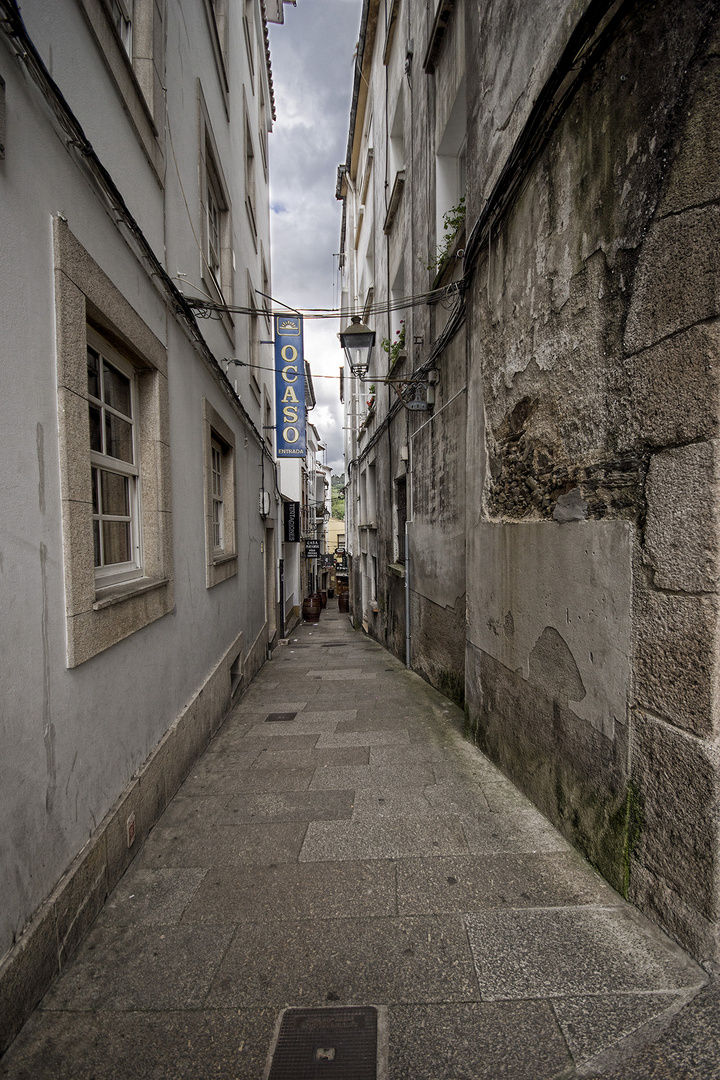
[97,618]
[219,565]
[217,17]
[250,176]
[249,29]
[139,81]
[221,291]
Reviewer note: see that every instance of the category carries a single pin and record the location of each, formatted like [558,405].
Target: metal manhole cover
[279,717]
[332,1043]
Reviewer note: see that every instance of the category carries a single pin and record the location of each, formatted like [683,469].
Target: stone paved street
[358,853]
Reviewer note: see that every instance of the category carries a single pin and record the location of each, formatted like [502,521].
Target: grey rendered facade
[561,492]
[140,539]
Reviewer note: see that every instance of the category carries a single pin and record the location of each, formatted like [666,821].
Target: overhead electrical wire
[400,303]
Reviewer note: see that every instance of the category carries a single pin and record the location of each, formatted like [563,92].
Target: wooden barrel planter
[311,609]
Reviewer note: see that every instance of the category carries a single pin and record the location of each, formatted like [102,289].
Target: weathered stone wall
[593,422]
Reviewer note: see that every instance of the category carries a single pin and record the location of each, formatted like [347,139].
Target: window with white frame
[217,495]
[112,407]
[396,147]
[450,170]
[220,513]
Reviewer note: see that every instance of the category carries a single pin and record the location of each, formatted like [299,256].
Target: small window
[250,187]
[112,396]
[450,170]
[249,28]
[266,293]
[217,495]
[400,518]
[121,14]
[2,117]
[216,256]
[267,415]
[253,341]
[220,514]
[214,227]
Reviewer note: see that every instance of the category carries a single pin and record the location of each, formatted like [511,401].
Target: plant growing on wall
[394,348]
[453,221]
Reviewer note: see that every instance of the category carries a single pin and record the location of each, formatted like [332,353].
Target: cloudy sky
[312,63]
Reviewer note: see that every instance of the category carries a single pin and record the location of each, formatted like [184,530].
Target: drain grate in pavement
[332,1043]
[334,644]
[279,717]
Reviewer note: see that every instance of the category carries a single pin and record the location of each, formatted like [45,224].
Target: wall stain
[553,667]
[40,439]
[48,726]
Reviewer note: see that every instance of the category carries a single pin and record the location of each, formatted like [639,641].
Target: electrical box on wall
[264,502]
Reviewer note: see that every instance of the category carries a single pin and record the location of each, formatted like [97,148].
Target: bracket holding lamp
[358,340]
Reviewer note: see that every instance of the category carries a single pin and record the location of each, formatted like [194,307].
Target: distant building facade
[141,526]
[531,201]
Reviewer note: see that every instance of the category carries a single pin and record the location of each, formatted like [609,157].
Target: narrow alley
[340,844]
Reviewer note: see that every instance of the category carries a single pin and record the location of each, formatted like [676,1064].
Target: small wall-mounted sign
[312,549]
[291,511]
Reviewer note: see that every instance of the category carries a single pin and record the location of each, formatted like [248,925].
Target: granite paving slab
[141,967]
[469,1041]
[295,891]
[340,674]
[135,1045]
[416,752]
[392,804]
[217,777]
[261,738]
[345,961]
[686,1048]
[152,896]
[399,737]
[378,838]
[312,759]
[224,845]
[261,703]
[476,883]
[563,952]
[191,811]
[288,806]
[516,831]
[373,776]
[374,723]
[503,796]
[592,1024]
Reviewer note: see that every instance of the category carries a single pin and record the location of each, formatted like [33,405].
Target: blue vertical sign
[289,386]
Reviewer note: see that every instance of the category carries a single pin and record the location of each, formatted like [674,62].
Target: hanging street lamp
[357,340]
